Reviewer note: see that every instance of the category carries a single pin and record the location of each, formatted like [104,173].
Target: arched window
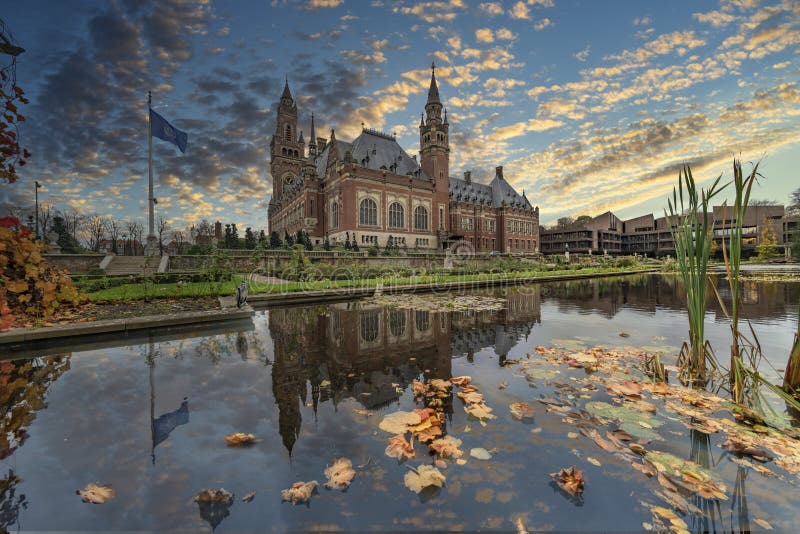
[397,322]
[288,134]
[396,215]
[368,213]
[369,326]
[283,151]
[423,320]
[335,215]
[420,218]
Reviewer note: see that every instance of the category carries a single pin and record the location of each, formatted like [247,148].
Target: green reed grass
[691,223]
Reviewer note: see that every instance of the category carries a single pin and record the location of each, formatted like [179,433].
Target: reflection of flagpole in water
[151,363]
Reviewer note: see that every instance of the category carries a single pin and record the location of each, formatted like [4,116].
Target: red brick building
[372,191]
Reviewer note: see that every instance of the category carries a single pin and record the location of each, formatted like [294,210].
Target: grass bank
[140,291]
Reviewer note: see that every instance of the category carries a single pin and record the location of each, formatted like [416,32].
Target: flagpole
[151,237]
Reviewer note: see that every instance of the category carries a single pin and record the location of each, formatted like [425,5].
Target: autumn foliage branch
[29,287]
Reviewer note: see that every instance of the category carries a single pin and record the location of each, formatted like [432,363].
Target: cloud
[717,19]
[504,34]
[583,55]
[542,24]
[642,21]
[432,11]
[484,35]
[520,11]
[492,9]
[523,127]
[322,4]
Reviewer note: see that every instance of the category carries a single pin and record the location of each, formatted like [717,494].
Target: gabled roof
[382,151]
[502,191]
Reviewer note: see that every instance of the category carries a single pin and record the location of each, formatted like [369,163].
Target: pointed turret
[312,144]
[433,91]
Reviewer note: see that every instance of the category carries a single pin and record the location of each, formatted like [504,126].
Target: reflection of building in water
[649,293]
[372,353]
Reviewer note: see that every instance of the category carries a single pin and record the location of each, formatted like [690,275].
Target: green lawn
[201,289]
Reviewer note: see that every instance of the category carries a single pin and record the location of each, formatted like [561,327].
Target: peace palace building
[372,191]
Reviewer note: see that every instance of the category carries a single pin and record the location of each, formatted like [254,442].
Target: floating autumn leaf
[570,479]
[461,381]
[340,474]
[430,433]
[362,412]
[688,474]
[737,447]
[219,496]
[299,492]
[479,453]
[422,477]
[239,439]
[521,410]
[502,385]
[479,411]
[439,384]
[593,461]
[96,494]
[471,397]
[628,388]
[762,523]
[398,422]
[249,497]
[447,447]
[399,448]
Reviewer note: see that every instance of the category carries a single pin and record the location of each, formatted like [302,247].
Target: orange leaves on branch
[29,287]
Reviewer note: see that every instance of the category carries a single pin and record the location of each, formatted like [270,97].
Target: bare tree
[135,231]
[73,220]
[96,228]
[178,238]
[762,202]
[162,225]
[46,213]
[114,229]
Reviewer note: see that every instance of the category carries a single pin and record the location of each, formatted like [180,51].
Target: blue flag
[163,130]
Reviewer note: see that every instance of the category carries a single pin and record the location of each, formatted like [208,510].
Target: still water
[148,415]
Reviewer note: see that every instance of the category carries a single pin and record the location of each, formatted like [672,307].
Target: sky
[589,105]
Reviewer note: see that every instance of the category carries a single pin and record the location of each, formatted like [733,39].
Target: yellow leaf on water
[97,494]
[762,523]
[422,477]
[593,461]
[340,474]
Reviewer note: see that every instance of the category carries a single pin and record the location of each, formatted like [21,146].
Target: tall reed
[732,253]
[791,379]
[691,224]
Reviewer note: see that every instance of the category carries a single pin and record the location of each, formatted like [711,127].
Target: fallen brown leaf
[299,492]
[340,474]
[238,439]
[570,479]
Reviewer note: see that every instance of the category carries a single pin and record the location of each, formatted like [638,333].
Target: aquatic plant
[791,379]
[691,223]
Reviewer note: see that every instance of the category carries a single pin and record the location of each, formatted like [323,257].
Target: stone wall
[75,263]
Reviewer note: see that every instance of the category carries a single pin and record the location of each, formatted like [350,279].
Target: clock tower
[287,148]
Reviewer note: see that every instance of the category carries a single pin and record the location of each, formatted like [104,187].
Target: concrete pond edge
[19,336]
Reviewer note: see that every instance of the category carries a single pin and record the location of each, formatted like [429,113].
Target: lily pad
[569,344]
[631,420]
[540,373]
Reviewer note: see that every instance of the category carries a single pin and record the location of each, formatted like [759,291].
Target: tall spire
[286,92]
[433,91]
[312,144]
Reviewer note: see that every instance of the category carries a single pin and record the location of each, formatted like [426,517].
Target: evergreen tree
[274,240]
[327,244]
[262,239]
[228,238]
[68,244]
[249,239]
[300,238]
[289,240]
[347,245]
[235,243]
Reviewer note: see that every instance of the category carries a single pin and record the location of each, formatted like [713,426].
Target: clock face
[288,179]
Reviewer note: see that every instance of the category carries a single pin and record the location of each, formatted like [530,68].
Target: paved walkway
[253,277]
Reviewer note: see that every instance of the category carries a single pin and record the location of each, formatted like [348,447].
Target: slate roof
[382,150]
[495,193]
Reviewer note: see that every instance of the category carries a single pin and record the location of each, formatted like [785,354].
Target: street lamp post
[38,185]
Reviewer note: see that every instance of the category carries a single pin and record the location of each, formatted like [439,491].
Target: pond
[148,415]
